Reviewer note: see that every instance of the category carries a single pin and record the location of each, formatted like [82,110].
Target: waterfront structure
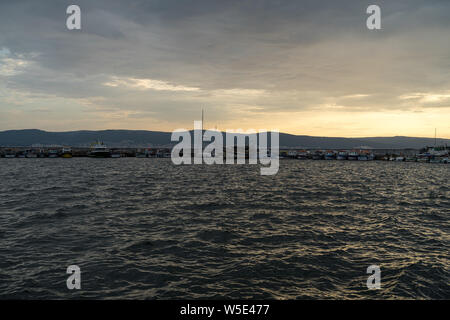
[99,150]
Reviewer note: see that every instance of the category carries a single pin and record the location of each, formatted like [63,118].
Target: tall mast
[202,120]
[435,137]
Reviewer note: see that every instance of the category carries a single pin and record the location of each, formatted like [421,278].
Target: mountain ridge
[144,138]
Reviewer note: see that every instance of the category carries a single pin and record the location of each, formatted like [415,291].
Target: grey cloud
[302,53]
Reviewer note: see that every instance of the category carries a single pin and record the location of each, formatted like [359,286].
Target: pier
[427,154]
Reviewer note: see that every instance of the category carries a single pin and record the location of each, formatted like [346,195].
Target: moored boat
[302,155]
[53,153]
[363,157]
[10,154]
[330,155]
[353,155]
[66,152]
[115,154]
[141,153]
[30,154]
[318,155]
[342,155]
[99,150]
[436,160]
[423,159]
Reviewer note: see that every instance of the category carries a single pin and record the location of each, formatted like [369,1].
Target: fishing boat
[302,155]
[363,157]
[10,154]
[342,155]
[66,152]
[99,150]
[353,155]
[366,156]
[53,153]
[330,155]
[318,155]
[151,153]
[292,154]
[30,154]
[141,153]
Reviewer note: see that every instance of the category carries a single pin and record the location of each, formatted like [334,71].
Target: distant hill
[143,138]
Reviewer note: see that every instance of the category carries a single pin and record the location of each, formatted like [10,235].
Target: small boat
[330,155]
[353,155]
[342,155]
[363,157]
[292,154]
[435,160]
[10,154]
[317,155]
[30,154]
[302,155]
[366,156]
[53,153]
[66,152]
[400,159]
[152,153]
[99,150]
[115,154]
[141,154]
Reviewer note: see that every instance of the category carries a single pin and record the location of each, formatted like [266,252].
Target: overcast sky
[303,67]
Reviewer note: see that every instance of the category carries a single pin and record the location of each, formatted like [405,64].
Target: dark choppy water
[143,228]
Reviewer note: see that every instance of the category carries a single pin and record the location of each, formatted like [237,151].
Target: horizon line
[293,134]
